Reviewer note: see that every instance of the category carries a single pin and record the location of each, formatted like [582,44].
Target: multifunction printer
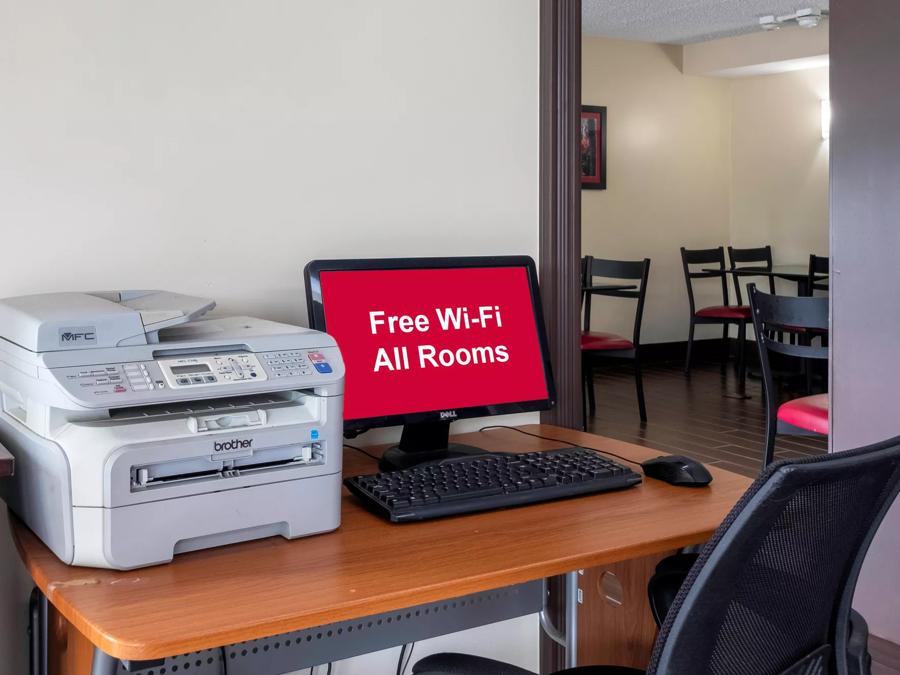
[141,430]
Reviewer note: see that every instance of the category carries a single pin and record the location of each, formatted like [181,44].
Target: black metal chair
[818,265]
[771,592]
[760,258]
[772,316]
[723,314]
[595,345]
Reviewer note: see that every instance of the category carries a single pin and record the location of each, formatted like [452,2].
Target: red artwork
[593,147]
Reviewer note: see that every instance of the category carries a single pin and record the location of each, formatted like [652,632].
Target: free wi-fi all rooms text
[447,319]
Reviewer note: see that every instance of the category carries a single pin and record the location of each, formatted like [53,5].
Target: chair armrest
[859,661]
[666,581]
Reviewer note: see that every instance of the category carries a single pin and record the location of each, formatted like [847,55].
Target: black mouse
[677,470]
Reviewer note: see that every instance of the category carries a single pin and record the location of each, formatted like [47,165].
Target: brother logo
[233,444]
[81,335]
[448,414]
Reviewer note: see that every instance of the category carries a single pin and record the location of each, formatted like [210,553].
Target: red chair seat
[594,341]
[724,312]
[809,412]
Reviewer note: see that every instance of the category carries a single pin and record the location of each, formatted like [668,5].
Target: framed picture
[593,147]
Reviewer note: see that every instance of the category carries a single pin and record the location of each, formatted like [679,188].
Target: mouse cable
[559,440]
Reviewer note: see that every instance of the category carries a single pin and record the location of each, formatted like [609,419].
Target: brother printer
[140,432]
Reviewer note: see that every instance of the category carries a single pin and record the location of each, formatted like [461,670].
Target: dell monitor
[426,341]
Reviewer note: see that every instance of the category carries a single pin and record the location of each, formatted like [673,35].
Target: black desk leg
[37,633]
[103,663]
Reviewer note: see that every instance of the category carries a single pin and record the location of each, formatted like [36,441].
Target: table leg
[572,619]
[568,640]
[103,663]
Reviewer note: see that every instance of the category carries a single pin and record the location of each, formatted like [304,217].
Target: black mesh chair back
[772,316]
[818,266]
[771,592]
[616,270]
[760,258]
[707,258]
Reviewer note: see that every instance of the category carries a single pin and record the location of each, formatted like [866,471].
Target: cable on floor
[558,440]
[400,660]
[408,658]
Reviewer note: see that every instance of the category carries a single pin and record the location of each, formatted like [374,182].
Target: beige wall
[779,191]
[698,162]
[668,164]
[214,148]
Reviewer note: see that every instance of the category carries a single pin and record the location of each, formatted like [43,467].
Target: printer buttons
[183,380]
[196,379]
[209,378]
[323,367]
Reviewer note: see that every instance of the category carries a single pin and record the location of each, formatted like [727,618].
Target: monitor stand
[424,442]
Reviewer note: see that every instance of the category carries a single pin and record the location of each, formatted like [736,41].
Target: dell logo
[448,414]
[233,444]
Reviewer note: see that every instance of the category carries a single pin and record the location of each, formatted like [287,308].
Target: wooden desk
[256,589]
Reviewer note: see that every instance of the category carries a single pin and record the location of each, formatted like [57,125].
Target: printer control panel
[197,375]
[212,370]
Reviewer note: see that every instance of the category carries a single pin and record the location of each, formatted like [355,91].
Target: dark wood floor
[693,417]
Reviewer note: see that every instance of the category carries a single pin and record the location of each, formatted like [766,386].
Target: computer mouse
[677,470]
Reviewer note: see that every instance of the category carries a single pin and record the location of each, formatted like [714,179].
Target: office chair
[771,592]
[596,345]
[723,314]
[772,315]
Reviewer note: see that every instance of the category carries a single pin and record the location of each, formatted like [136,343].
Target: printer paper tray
[194,469]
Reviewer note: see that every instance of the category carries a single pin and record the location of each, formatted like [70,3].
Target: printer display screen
[425,340]
[193,368]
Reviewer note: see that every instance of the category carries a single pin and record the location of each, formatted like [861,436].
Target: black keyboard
[483,482]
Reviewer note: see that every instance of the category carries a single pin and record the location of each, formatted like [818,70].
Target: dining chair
[772,315]
[818,265]
[771,593]
[724,314]
[760,257]
[597,346]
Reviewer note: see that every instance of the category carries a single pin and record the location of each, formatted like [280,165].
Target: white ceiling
[681,21]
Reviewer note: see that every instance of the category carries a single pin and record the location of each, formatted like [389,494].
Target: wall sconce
[826,119]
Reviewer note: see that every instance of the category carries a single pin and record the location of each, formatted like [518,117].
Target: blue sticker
[314,434]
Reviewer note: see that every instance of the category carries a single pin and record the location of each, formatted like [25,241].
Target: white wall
[779,189]
[669,177]
[214,148]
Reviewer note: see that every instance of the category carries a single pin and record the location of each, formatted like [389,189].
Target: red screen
[421,340]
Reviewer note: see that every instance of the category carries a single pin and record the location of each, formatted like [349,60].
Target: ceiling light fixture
[805,18]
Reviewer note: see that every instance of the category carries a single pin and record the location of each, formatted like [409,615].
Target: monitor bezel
[316,315]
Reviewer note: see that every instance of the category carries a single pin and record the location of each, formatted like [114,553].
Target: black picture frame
[593,147]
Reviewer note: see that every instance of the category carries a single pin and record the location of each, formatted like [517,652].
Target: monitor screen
[439,338]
